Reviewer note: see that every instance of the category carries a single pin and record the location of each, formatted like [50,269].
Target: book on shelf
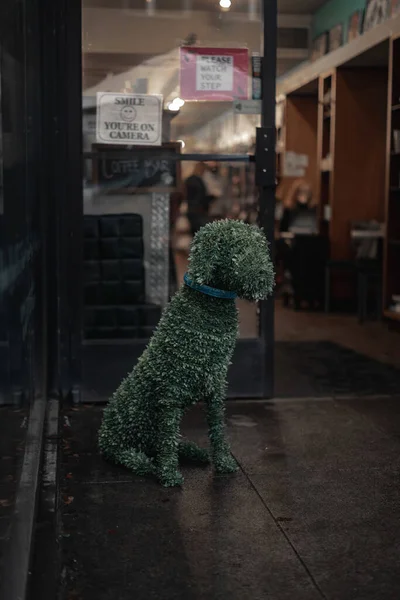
[395,305]
[326,163]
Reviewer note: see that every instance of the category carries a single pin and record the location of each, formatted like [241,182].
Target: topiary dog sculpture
[188,356]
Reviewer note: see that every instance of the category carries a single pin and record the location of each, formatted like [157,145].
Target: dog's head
[232,256]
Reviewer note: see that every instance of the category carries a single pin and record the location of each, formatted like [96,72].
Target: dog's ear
[202,260]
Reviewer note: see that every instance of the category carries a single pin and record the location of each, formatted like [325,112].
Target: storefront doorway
[175,102]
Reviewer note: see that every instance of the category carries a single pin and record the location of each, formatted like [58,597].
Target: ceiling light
[174,107]
[176,104]
[226,4]
[179,102]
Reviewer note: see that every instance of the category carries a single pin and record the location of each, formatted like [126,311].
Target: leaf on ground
[68,499]
[5,502]
[69,476]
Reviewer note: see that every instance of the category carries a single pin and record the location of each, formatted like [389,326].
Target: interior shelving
[326,124]
[392,241]
[299,135]
[357,162]
[351,180]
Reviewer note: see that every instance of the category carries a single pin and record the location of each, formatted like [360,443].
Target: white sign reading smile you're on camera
[129,119]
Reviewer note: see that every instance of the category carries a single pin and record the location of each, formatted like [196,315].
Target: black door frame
[62,149]
[251,375]
[268,186]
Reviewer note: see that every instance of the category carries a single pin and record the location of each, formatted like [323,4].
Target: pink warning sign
[214,73]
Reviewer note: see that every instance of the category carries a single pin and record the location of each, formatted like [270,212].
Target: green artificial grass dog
[188,356]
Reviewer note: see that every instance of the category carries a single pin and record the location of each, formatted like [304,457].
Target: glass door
[175,135]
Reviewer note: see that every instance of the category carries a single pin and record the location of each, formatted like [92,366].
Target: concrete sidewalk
[314,511]
[13,427]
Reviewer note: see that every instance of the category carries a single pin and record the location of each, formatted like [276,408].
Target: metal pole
[267,191]
[187,6]
[253,10]
[151,7]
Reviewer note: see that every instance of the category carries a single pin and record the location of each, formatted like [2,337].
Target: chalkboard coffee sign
[137,169]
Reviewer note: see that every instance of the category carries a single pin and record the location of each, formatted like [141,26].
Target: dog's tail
[136,461]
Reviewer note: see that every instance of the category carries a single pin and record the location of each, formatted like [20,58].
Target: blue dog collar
[209,291]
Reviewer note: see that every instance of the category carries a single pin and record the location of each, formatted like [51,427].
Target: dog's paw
[172,479]
[190,452]
[225,465]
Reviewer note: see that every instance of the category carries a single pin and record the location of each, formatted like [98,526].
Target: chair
[369,276]
[306,262]
[365,266]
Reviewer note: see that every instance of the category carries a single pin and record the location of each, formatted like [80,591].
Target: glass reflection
[142,204]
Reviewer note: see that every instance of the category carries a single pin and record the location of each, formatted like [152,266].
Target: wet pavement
[325,369]
[13,425]
[314,511]
[303,369]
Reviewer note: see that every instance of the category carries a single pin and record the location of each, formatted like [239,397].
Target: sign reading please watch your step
[129,119]
[214,73]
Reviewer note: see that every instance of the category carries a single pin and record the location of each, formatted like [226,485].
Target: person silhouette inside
[198,198]
[299,215]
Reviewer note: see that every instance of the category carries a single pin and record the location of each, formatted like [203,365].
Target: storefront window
[152,7]
[1,159]
[164,82]
[22,364]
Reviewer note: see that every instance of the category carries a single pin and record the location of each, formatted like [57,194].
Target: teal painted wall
[333,13]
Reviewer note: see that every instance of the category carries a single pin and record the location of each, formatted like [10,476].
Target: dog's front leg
[167,446]
[221,455]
